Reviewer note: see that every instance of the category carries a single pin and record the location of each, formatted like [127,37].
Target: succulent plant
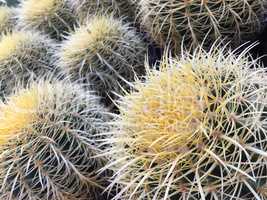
[7,19]
[87,8]
[197,21]
[194,129]
[47,143]
[24,55]
[105,52]
[53,17]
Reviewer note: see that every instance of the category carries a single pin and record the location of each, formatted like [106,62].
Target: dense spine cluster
[47,143]
[195,129]
[7,19]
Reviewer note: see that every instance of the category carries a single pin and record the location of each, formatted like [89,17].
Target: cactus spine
[196,21]
[7,19]
[104,53]
[195,129]
[47,142]
[53,17]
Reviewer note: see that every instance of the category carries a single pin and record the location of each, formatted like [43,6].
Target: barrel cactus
[7,19]
[53,17]
[194,129]
[105,52]
[47,143]
[24,55]
[196,21]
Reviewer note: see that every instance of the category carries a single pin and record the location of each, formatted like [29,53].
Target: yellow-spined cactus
[198,21]
[105,52]
[24,55]
[53,17]
[194,129]
[47,143]
[7,19]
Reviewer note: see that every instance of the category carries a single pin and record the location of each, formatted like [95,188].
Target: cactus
[7,19]
[53,17]
[194,129]
[47,140]
[104,53]
[24,55]
[196,21]
[87,8]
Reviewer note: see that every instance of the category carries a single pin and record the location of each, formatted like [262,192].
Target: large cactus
[104,53]
[194,129]
[24,55]
[197,20]
[47,143]
[53,17]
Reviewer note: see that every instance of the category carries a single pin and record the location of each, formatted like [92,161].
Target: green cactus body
[24,55]
[47,143]
[198,21]
[52,17]
[104,53]
[194,129]
[7,19]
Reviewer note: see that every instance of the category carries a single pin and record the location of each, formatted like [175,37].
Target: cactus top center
[10,43]
[18,113]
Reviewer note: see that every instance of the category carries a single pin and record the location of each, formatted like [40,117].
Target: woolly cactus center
[5,13]
[165,115]
[40,8]
[18,113]
[90,38]
[10,43]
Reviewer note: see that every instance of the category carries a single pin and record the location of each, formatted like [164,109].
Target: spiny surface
[195,129]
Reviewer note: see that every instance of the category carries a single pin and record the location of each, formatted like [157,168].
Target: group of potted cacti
[132,100]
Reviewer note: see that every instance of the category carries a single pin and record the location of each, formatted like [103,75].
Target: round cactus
[7,19]
[104,53]
[194,129]
[47,143]
[24,55]
[53,17]
[87,8]
[199,21]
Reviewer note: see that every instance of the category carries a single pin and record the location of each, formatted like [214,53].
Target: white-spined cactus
[53,17]
[105,52]
[194,129]
[47,143]
[24,55]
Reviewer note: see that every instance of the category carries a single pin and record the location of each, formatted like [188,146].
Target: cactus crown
[179,131]
[10,43]
[38,9]
[18,113]
[90,37]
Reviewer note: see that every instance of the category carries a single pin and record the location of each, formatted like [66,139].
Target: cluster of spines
[105,52]
[7,19]
[48,142]
[195,129]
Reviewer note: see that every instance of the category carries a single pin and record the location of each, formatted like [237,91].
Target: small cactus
[104,53]
[194,129]
[24,55]
[47,142]
[196,21]
[7,19]
[87,8]
[53,17]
